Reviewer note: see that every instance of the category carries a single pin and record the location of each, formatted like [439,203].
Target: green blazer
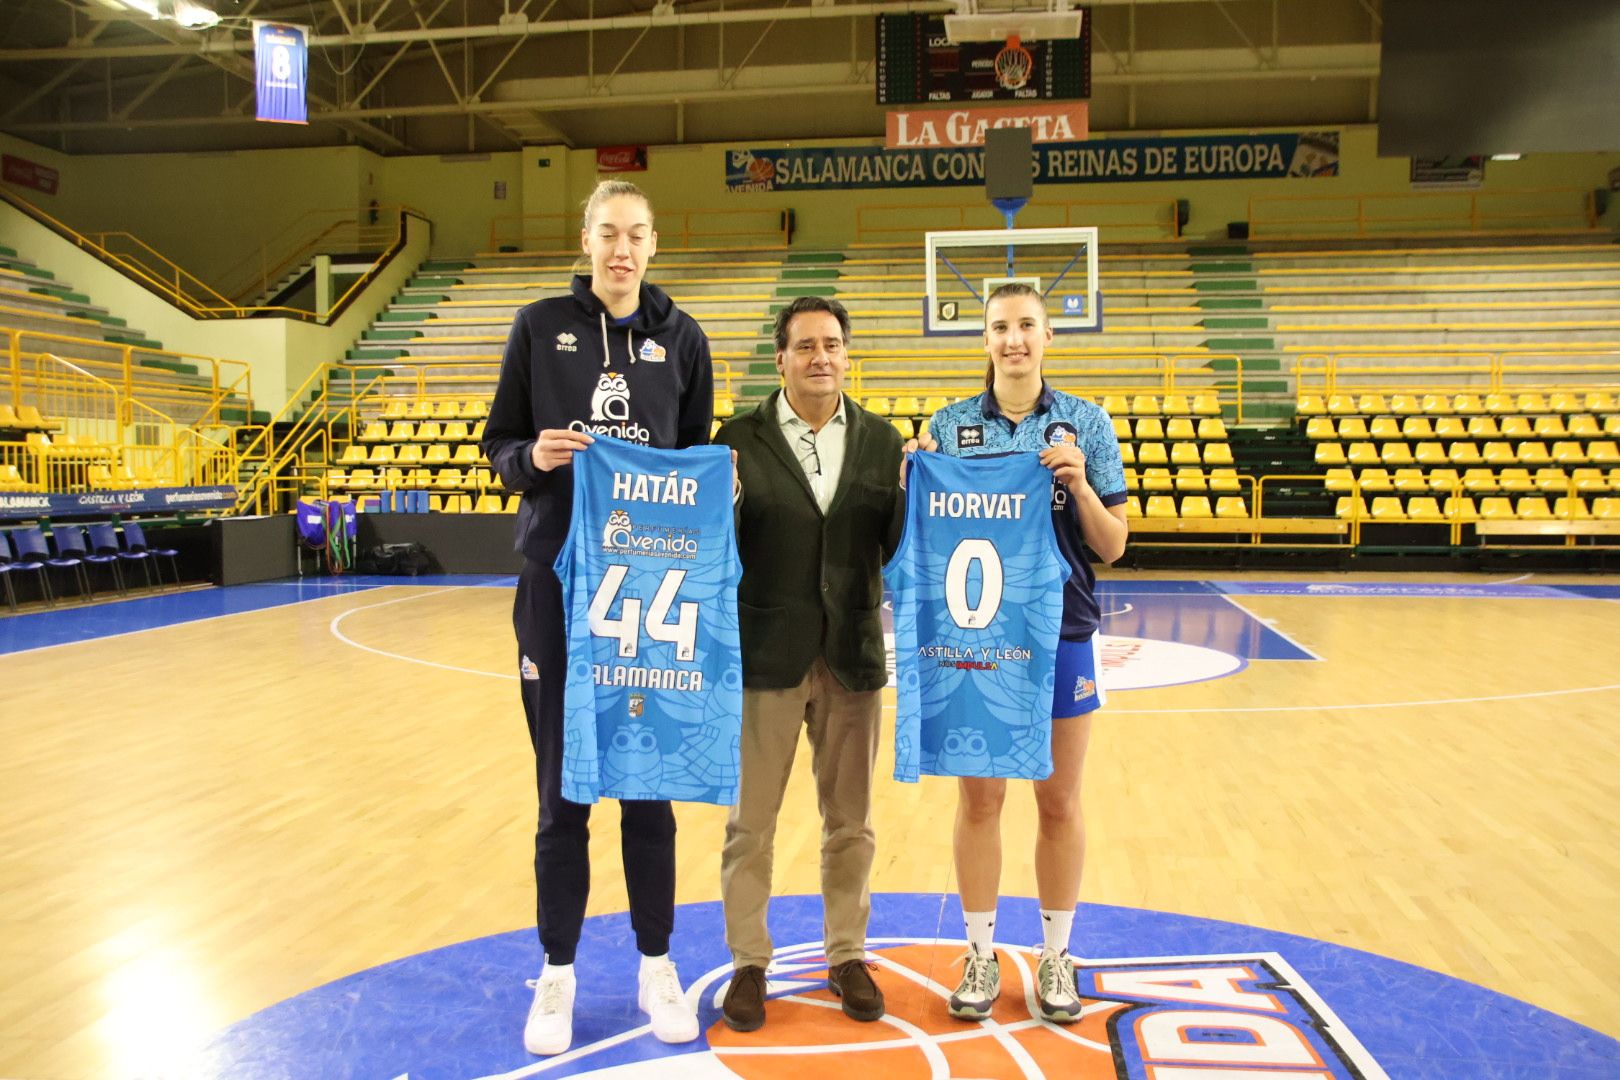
[812,583]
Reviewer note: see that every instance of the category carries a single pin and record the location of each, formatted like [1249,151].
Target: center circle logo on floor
[1167,997]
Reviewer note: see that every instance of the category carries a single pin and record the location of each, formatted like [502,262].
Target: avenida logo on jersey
[620,536]
[610,411]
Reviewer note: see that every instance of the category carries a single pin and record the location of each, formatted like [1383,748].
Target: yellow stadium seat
[1569,453]
[1149,429]
[353,454]
[99,477]
[1341,405]
[1127,453]
[1207,405]
[725,406]
[437,454]
[395,409]
[1309,405]
[337,479]
[1161,506]
[1144,405]
[1512,427]
[1405,405]
[1430,453]
[1152,454]
[1436,405]
[1371,404]
[1589,480]
[1353,427]
[363,479]
[1196,506]
[466,454]
[1515,480]
[1217,453]
[933,404]
[904,426]
[1122,428]
[8,418]
[1377,479]
[1231,506]
[1133,506]
[1184,453]
[1533,508]
[454,432]
[1157,480]
[1551,480]
[907,406]
[1339,480]
[1395,454]
[1320,427]
[1568,509]
[512,503]
[1599,401]
[1411,480]
[1463,453]
[1349,508]
[1191,479]
[1416,427]
[1603,452]
[1443,480]
[1533,453]
[448,479]
[1550,427]
[382,454]
[487,504]
[447,410]
[1614,479]
[419,410]
[1606,509]
[1176,405]
[1584,426]
[1531,403]
[1483,427]
[1224,480]
[475,410]
[1499,453]
[428,431]
[1180,427]
[1461,508]
[1388,508]
[1132,480]
[1363,453]
[1212,429]
[1450,427]
[401,431]
[1466,404]
[478,431]
[1116,405]
[436,503]
[421,478]
[1564,402]
[1496,508]
[374,431]
[1498,403]
[409,454]
[1423,508]
[1480,481]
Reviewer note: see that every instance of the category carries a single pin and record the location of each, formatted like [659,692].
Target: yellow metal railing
[1462,373]
[676,229]
[316,231]
[904,223]
[1514,211]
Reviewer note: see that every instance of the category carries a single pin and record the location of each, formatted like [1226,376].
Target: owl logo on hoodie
[612,398]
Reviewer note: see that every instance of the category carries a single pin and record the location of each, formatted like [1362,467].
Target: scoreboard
[917,65]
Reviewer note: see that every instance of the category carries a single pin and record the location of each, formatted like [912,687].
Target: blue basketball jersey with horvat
[652,706]
[977,588]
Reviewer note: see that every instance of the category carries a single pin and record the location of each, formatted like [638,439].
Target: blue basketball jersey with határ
[977,588]
[652,706]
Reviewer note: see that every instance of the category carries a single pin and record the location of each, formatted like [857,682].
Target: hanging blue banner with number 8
[281,72]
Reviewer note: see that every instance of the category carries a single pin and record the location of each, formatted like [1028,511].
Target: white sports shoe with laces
[673,1018]
[550,1027]
[1059,998]
[980,986]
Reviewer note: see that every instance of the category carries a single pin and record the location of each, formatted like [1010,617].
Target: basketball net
[1013,64]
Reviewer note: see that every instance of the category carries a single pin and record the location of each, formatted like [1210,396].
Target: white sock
[649,961]
[558,971]
[981,930]
[1055,927]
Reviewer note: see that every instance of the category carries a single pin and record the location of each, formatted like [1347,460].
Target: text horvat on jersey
[995,505]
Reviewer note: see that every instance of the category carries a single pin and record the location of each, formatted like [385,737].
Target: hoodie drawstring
[629,340]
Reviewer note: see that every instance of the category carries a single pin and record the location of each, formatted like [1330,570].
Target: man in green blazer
[819,514]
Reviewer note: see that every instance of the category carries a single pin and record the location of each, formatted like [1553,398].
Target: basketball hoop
[1013,64]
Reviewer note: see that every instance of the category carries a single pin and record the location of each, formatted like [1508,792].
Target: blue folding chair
[135,542]
[68,540]
[95,552]
[28,545]
[104,538]
[5,574]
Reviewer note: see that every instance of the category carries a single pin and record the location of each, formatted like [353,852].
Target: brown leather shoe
[744,1007]
[851,982]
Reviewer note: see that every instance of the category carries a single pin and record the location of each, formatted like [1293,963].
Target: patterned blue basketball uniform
[652,706]
[977,586]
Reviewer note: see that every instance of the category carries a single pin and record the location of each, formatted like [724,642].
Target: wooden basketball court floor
[205,818]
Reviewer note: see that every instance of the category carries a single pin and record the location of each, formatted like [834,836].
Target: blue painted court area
[1191,613]
[64,626]
[1165,989]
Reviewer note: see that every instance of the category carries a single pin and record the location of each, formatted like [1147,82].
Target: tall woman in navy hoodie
[614,357]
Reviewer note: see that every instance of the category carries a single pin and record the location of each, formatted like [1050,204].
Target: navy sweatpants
[562,861]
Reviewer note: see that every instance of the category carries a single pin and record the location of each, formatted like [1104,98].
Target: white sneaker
[1059,999]
[673,1018]
[980,986]
[550,1027]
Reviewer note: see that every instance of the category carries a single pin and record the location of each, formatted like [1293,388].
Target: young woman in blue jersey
[613,357]
[1019,411]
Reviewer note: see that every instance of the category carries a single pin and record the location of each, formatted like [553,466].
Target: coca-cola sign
[621,159]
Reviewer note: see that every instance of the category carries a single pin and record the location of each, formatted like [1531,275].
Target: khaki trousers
[843,727]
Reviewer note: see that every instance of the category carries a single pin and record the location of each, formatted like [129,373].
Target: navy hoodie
[569,365]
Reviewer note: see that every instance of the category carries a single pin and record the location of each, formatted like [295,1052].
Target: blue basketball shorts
[1078,689]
